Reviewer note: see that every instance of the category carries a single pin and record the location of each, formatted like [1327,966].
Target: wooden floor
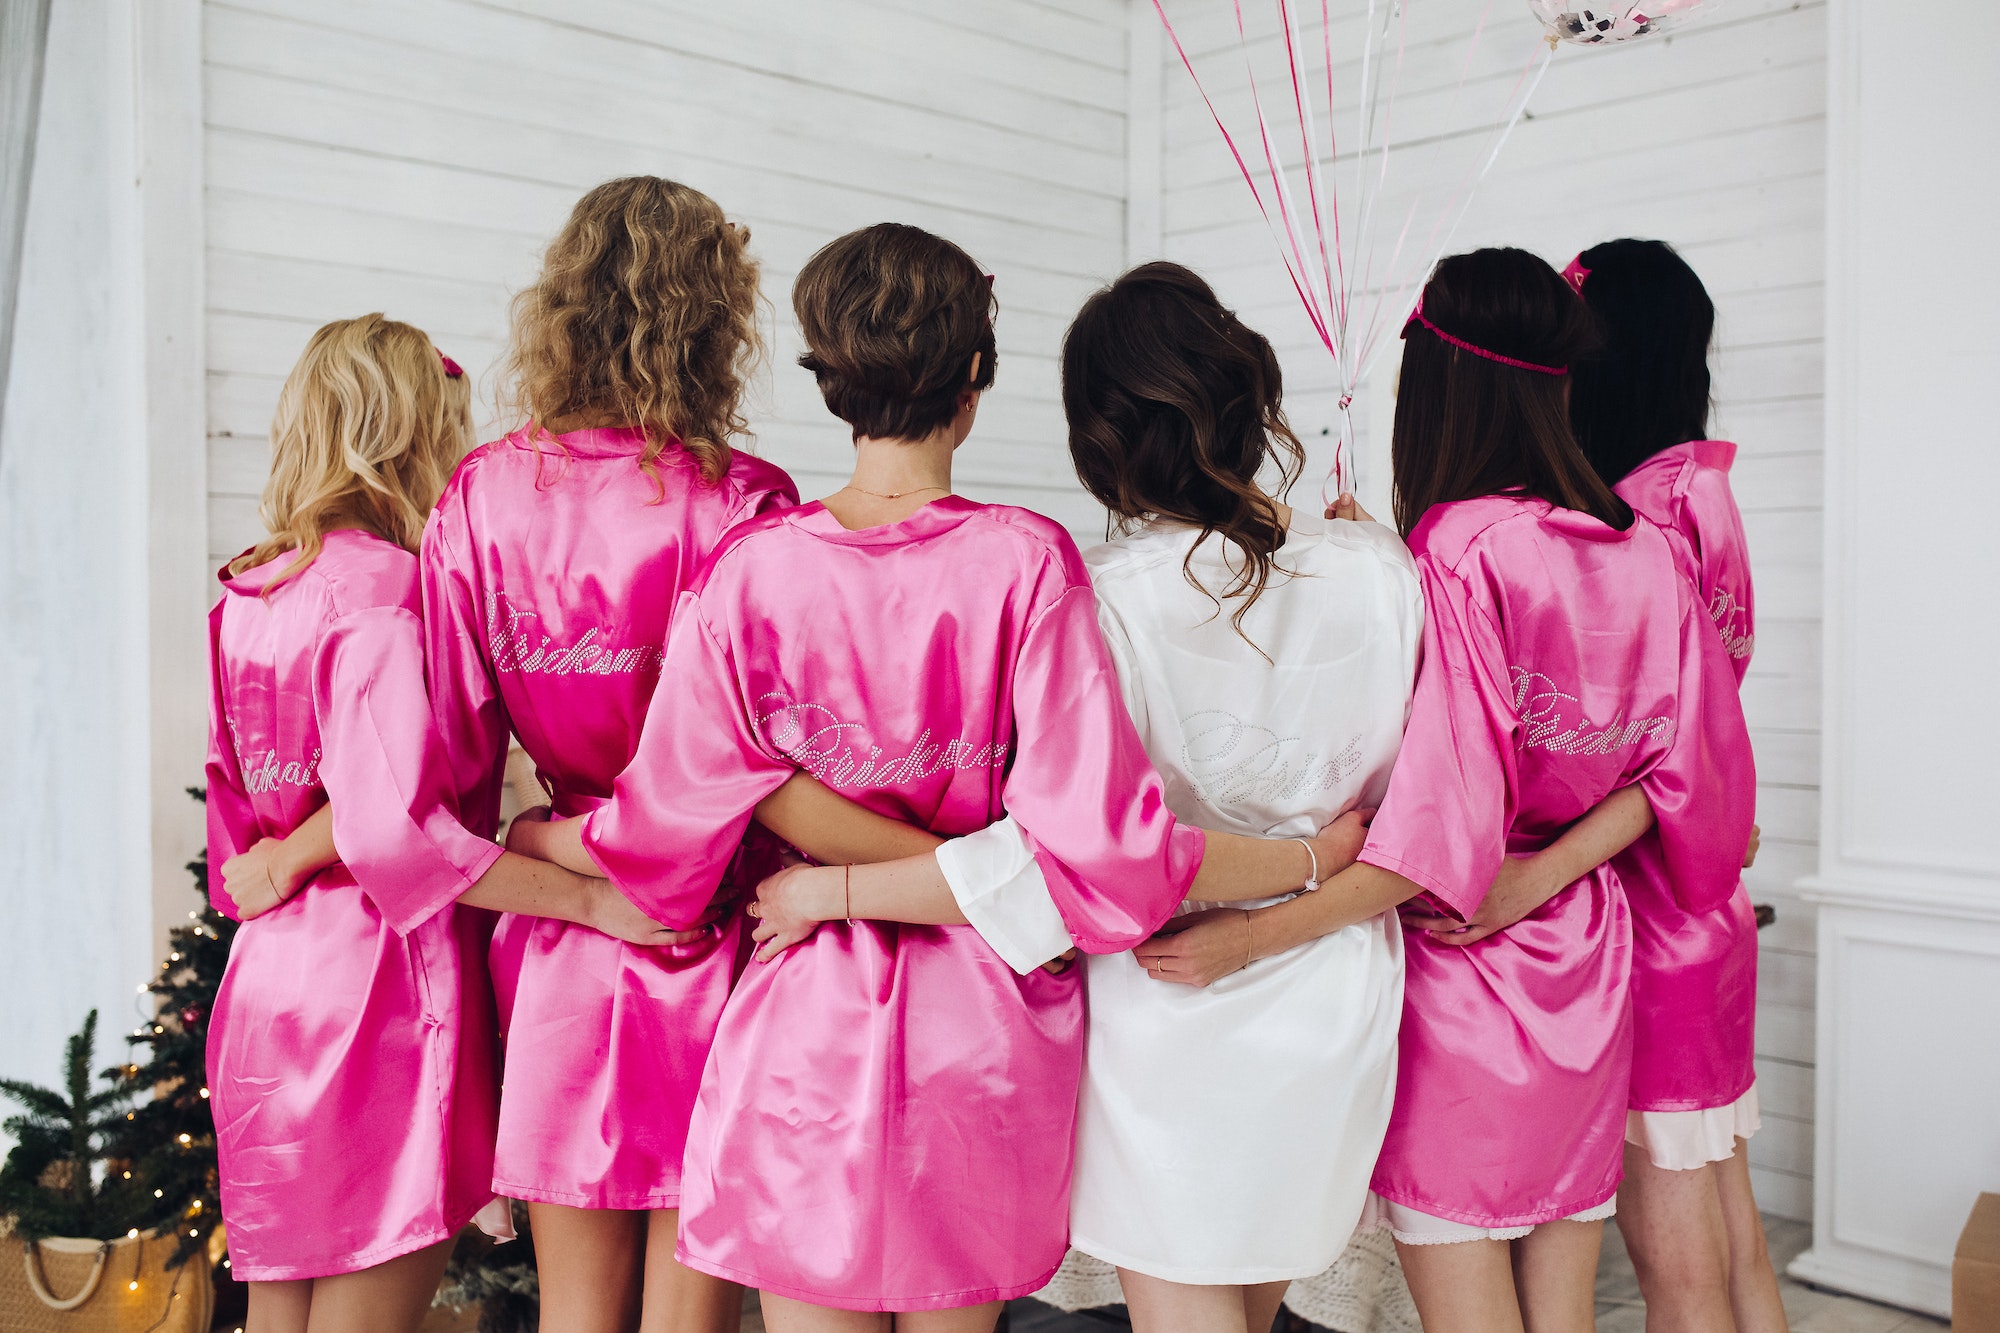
[1810,1310]
[1619,1308]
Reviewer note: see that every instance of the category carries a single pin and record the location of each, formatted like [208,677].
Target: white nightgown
[1227,1134]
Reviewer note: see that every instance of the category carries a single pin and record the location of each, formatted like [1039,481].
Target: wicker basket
[65,1285]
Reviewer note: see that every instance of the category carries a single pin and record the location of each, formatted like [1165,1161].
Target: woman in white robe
[1227,1131]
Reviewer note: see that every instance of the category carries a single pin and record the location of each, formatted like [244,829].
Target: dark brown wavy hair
[1174,407]
[892,317]
[646,314]
[1467,426]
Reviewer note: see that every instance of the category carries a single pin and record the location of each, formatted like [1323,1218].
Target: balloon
[1592,24]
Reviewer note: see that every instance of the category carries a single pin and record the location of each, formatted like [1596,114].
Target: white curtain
[24,30]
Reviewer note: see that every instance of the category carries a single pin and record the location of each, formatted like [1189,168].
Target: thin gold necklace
[895,495]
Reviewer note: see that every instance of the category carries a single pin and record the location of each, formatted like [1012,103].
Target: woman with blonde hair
[350,1044]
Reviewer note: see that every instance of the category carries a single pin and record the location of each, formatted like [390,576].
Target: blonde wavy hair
[645,315]
[369,427]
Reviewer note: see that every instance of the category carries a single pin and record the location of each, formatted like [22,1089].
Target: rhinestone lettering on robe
[1731,619]
[1231,760]
[272,772]
[831,750]
[1552,719]
[514,645]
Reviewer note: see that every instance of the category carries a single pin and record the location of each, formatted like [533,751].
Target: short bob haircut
[893,318]
[1647,388]
[1467,426]
[1175,406]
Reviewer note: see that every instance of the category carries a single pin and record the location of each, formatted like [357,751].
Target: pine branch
[41,1102]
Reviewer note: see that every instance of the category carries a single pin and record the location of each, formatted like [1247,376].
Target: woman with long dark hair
[1640,408]
[1267,657]
[1564,658]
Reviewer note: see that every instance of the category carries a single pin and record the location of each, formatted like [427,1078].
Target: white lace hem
[1414,1228]
[1690,1140]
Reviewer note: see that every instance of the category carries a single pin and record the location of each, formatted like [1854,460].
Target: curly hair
[1175,406]
[893,318]
[370,424]
[645,313]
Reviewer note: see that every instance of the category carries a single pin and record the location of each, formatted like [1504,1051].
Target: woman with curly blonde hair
[551,571]
[350,1048]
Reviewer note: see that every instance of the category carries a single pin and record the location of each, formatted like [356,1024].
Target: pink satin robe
[1562,660]
[1694,974]
[550,577]
[350,1053]
[887,1118]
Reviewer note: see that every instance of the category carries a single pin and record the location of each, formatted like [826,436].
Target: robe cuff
[999,887]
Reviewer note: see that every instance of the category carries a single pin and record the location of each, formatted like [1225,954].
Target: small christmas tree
[169,1138]
[63,1177]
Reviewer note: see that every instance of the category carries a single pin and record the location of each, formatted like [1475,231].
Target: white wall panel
[416,158]
[1908,876]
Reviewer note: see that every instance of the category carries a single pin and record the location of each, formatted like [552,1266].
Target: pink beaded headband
[1417,317]
[1575,274]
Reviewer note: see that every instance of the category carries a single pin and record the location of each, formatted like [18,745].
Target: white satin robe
[1227,1134]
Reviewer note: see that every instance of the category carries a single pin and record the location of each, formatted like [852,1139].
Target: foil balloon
[1616,21]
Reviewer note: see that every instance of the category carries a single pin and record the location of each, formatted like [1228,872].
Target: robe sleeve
[1704,788]
[1094,809]
[1443,823]
[232,822]
[395,819]
[998,884]
[679,810]
[993,873]
[1722,558]
[472,723]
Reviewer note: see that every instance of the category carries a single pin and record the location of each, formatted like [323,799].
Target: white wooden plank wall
[1712,140]
[415,156]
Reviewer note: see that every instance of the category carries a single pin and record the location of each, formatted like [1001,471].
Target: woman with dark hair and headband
[1565,658]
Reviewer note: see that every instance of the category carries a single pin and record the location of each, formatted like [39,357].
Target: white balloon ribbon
[1333,267]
